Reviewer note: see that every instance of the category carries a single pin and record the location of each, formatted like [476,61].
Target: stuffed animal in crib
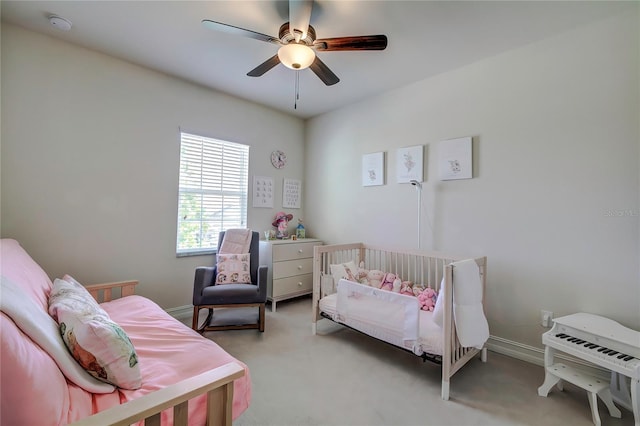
[387,281]
[406,288]
[397,284]
[427,299]
[361,276]
[417,289]
[375,277]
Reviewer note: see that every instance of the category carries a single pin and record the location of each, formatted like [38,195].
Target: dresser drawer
[285,286]
[289,268]
[293,251]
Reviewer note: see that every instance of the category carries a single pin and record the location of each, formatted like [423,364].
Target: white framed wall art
[409,164]
[263,191]
[373,169]
[455,159]
[291,193]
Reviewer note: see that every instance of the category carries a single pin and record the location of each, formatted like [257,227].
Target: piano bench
[594,386]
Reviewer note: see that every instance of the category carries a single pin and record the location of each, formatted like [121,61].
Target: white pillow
[99,345]
[43,330]
[347,270]
[233,268]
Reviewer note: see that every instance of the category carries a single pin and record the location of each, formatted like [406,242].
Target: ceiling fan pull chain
[297,96]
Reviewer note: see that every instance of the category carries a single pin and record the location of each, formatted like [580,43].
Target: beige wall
[90,153]
[556,149]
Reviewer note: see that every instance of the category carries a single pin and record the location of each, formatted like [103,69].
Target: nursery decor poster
[455,159]
[291,193]
[263,191]
[409,164]
[373,169]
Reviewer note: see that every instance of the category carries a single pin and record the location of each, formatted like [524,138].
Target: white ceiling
[425,38]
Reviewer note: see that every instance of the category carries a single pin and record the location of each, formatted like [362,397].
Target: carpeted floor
[341,377]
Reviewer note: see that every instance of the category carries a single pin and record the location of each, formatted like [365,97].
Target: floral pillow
[233,269]
[99,345]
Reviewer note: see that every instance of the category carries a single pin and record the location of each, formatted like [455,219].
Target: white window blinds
[212,194]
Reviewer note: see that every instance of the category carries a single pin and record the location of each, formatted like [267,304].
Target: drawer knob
[300,267]
[300,251]
[299,284]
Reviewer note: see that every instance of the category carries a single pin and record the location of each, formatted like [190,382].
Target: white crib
[430,269]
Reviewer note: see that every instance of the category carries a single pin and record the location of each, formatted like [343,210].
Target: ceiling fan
[298,43]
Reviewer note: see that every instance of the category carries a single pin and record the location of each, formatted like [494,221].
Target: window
[212,194]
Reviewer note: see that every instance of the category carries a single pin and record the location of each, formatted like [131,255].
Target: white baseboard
[535,355]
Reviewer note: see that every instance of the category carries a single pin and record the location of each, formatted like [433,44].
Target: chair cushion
[231,294]
[233,268]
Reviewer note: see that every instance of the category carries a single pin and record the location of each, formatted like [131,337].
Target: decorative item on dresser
[290,268]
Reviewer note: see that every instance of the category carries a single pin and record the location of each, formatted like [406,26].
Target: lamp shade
[296,56]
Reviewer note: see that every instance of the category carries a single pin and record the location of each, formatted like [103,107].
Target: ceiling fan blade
[230,29]
[264,67]
[369,42]
[299,18]
[323,72]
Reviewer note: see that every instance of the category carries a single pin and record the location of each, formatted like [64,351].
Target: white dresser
[290,263]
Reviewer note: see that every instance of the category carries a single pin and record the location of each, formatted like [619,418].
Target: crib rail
[427,268]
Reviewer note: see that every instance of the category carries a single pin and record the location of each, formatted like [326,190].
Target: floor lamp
[418,187]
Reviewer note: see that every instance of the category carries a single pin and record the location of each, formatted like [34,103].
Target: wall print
[455,159]
[291,193]
[263,191]
[373,169]
[409,164]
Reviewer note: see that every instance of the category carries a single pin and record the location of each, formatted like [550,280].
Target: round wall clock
[278,159]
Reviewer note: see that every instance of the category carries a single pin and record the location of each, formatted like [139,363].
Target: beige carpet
[341,377]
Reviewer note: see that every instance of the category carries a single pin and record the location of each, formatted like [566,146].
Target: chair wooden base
[207,326]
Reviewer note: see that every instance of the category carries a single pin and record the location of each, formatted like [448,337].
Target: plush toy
[427,299]
[282,223]
[406,288]
[361,276]
[397,284]
[417,289]
[375,277]
[387,281]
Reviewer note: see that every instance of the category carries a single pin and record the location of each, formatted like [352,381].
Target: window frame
[202,172]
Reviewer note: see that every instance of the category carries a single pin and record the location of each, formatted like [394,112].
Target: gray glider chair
[245,296]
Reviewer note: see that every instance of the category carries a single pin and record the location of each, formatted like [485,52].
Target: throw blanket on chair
[471,324]
[236,241]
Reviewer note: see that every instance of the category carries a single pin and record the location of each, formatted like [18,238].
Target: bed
[185,378]
[396,318]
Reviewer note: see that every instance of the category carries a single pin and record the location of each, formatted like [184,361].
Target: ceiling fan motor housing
[286,37]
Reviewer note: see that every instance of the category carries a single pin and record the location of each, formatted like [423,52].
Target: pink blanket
[168,351]
[34,390]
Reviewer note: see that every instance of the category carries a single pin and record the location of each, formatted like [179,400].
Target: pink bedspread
[168,351]
[35,392]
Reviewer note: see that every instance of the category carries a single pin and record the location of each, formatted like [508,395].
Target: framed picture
[409,164]
[373,169]
[263,191]
[455,159]
[291,193]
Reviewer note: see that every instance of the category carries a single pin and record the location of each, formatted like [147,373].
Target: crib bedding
[386,321]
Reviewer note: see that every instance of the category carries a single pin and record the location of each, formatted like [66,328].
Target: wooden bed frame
[217,383]
[427,268]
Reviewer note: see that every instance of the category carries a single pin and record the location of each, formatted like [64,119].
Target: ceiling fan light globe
[296,56]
